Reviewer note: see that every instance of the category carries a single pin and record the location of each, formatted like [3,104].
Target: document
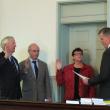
[97,101]
[81,76]
[72,102]
[86,101]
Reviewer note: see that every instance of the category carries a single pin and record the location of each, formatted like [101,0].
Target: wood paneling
[16,105]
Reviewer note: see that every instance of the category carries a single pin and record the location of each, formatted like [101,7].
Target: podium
[18,105]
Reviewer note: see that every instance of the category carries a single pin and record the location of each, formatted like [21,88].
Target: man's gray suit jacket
[35,89]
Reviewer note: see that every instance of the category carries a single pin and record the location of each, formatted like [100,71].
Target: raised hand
[58,64]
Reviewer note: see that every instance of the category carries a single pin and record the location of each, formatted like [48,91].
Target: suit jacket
[66,77]
[9,79]
[104,77]
[35,89]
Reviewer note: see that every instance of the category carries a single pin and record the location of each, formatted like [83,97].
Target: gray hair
[5,40]
[29,47]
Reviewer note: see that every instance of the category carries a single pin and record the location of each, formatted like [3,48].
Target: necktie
[13,64]
[35,68]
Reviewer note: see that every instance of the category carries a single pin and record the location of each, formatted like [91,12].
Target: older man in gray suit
[35,76]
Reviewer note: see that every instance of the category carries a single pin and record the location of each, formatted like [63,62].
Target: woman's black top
[76,86]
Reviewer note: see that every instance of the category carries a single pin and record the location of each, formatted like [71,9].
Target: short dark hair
[105,31]
[78,50]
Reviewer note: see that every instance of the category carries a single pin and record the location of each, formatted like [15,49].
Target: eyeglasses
[78,53]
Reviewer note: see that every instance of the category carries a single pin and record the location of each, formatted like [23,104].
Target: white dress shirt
[32,65]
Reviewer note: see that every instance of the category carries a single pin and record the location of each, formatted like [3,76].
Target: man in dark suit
[103,79]
[9,70]
[35,76]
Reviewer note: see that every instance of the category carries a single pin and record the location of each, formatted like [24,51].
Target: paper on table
[97,101]
[72,102]
[81,76]
[86,101]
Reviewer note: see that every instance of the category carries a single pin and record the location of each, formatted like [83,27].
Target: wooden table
[18,105]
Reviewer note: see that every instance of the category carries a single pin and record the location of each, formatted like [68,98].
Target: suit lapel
[39,68]
[30,67]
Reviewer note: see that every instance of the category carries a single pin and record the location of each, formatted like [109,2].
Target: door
[85,36]
[78,25]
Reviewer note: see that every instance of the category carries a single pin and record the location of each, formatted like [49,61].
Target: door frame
[60,27]
[63,29]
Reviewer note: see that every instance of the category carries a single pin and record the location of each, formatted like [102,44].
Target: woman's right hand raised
[58,64]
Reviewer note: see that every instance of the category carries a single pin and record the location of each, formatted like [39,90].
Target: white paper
[86,101]
[81,76]
[97,101]
[72,102]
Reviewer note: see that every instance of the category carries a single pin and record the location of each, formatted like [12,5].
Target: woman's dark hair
[78,50]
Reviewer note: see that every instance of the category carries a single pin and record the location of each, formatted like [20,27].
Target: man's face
[104,40]
[10,46]
[34,52]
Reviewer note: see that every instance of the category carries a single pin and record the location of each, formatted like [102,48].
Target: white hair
[5,40]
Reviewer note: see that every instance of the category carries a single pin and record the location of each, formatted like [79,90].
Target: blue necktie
[35,68]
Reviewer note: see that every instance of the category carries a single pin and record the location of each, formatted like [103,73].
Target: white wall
[31,21]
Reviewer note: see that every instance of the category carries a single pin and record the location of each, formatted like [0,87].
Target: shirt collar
[10,58]
[109,46]
[33,60]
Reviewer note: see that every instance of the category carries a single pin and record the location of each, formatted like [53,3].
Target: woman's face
[77,56]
